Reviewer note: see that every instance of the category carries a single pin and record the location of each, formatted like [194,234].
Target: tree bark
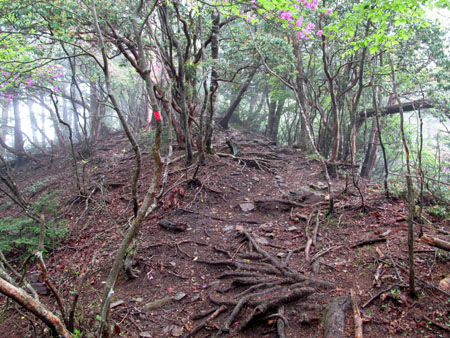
[21,297]
[371,153]
[3,125]
[214,84]
[18,136]
[273,123]
[409,183]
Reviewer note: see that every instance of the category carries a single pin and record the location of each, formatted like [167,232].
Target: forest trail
[243,243]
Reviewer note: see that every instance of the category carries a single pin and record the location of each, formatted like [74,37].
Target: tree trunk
[18,135]
[214,75]
[273,123]
[409,183]
[371,153]
[235,103]
[3,126]
[306,144]
[94,112]
[33,123]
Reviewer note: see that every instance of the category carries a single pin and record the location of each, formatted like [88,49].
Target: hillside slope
[246,233]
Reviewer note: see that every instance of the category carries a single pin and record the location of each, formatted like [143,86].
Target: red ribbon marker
[157,116]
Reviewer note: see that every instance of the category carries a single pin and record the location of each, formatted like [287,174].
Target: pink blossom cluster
[307,30]
[41,75]
[7,97]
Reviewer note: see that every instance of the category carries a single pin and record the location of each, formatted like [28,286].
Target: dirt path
[243,250]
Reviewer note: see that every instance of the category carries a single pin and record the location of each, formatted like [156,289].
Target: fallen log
[334,317]
[356,315]
[368,241]
[277,204]
[436,242]
[172,226]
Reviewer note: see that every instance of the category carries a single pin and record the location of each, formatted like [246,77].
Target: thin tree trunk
[18,136]
[371,153]
[215,16]
[274,119]
[237,99]
[33,122]
[380,139]
[409,182]
[3,125]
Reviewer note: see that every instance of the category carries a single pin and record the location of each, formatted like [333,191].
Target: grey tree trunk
[237,99]
[4,125]
[18,135]
[371,153]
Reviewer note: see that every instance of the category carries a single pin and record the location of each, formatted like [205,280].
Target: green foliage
[397,187]
[439,211]
[38,184]
[145,139]
[23,232]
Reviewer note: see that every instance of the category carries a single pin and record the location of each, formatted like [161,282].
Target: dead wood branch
[310,239]
[323,252]
[356,315]
[277,204]
[18,295]
[379,293]
[172,226]
[281,323]
[436,242]
[368,241]
[334,317]
[435,323]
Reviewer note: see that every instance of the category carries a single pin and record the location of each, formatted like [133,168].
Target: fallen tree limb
[436,242]
[22,298]
[356,315]
[435,323]
[379,293]
[281,323]
[368,241]
[277,204]
[334,317]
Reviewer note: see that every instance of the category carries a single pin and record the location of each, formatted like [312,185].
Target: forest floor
[249,230]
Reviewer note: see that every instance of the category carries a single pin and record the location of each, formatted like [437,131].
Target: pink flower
[299,22]
[310,26]
[319,33]
[286,15]
[329,11]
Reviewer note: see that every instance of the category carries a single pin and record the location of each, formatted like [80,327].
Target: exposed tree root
[259,288]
